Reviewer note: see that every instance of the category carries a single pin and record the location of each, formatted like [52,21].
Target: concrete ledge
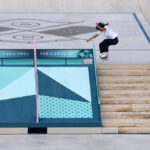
[68,6]
[141,107]
[124,86]
[132,115]
[108,115]
[107,100]
[73,130]
[123,73]
[134,130]
[125,108]
[114,130]
[116,108]
[139,100]
[123,80]
[109,130]
[13,130]
[125,100]
[125,115]
[144,6]
[122,67]
[125,93]
[82,130]
[118,123]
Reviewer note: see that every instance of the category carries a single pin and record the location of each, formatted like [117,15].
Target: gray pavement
[75,142]
[64,30]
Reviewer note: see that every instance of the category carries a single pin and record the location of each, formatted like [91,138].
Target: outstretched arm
[93,37]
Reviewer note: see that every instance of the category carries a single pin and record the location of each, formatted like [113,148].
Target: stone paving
[75,142]
[71,31]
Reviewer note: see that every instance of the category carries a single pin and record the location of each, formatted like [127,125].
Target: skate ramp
[67,89]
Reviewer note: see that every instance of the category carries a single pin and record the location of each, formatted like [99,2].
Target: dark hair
[100,24]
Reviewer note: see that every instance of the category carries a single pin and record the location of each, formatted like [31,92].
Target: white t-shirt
[109,34]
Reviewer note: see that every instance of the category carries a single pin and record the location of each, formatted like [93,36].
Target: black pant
[103,46]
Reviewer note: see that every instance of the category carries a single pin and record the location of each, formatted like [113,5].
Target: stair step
[134,130]
[107,100]
[116,108]
[126,122]
[125,108]
[118,122]
[124,72]
[108,115]
[125,93]
[142,122]
[76,130]
[123,79]
[82,130]
[125,100]
[124,86]
[122,67]
[125,115]
[133,115]
[141,107]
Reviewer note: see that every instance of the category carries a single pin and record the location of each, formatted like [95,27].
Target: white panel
[73,78]
[23,86]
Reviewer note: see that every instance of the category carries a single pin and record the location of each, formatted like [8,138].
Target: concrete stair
[125,98]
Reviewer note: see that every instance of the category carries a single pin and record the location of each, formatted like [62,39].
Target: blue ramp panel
[67,96]
[17,96]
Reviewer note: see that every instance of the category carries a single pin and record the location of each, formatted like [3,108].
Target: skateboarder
[111,38]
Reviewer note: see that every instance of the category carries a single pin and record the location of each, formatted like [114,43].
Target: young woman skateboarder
[111,38]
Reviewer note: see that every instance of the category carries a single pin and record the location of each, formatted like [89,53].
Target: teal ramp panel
[69,96]
[31,61]
[18,61]
[75,79]
[53,107]
[74,61]
[1,61]
[50,61]
[10,74]
[17,96]
[20,85]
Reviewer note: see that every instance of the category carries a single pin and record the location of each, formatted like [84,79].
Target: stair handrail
[95,67]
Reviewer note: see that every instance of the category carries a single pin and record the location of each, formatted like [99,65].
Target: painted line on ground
[141,27]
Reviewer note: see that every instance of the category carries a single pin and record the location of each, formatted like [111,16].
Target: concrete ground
[70,30]
[75,142]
